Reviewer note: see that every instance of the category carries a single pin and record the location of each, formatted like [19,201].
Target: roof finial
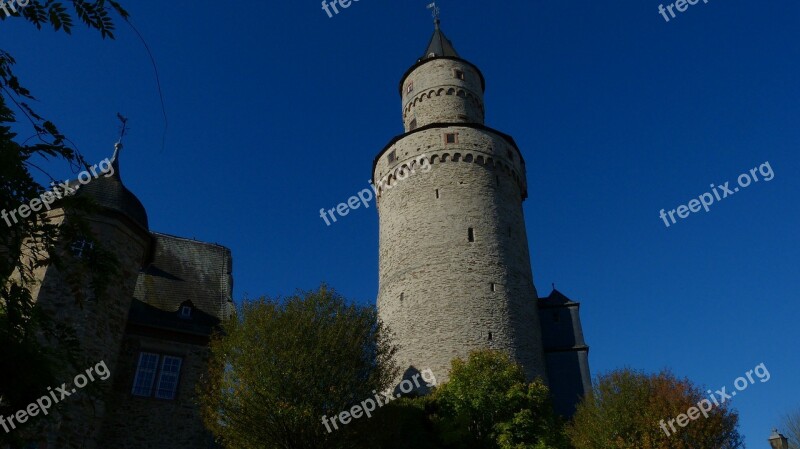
[118,145]
[435,12]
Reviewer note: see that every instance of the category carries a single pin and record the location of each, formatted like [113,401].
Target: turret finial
[435,12]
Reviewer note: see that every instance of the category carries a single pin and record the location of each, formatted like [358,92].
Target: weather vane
[435,11]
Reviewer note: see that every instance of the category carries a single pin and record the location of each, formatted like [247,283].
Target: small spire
[118,145]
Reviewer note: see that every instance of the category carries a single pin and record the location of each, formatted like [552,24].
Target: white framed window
[168,377]
[145,374]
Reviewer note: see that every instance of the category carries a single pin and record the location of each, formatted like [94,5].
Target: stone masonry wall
[138,422]
[438,96]
[441,294]
[99,325]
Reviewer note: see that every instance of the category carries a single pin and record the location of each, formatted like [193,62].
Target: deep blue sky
[277,110]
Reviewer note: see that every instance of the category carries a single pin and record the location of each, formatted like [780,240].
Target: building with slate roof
[151,328]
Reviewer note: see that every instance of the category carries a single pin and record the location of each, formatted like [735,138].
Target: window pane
[168,379]
[145,374]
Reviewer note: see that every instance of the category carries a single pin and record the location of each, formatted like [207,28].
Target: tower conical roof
[110,193]
[439,45]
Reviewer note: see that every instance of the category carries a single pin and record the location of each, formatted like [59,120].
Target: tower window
[450,138]
[81,247]
[437,194]
[168,378]
[392,157]
[510,154]
[186,312]
[410,87]
[490,336]
[164,376]
[459,74]
[413,125]
[492,286]
[470,235]
[145,374]
[402,296]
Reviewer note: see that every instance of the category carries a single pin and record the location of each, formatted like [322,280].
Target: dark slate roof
[110,193]
[556,299]
[182,271]
[439,45]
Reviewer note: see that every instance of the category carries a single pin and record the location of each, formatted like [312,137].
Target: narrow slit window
[470,235]
[490,336]
[392,157]
[459,74]
[492,287]
[413,125]
[402,296]
[437,194]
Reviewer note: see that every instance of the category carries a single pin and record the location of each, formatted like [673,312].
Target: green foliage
[27,364]
[281,365]
[791,429]
[626,407]
[487,403]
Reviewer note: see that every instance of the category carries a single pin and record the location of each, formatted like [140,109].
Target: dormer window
[186,312]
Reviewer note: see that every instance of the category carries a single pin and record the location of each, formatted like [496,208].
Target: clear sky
[276,110]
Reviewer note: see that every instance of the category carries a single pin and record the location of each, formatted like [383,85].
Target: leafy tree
[487,403]
[281,365]
[27,365]
[791,425]
[626,408]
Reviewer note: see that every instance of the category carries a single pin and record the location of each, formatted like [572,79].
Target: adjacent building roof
[556,299]
[182,272]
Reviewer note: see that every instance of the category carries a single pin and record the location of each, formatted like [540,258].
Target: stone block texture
[455,271]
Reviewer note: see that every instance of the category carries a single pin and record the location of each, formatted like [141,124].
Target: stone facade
[170,294]
[455,270]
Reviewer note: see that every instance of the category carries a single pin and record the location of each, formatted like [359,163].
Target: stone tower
[120,225]
[455,271]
